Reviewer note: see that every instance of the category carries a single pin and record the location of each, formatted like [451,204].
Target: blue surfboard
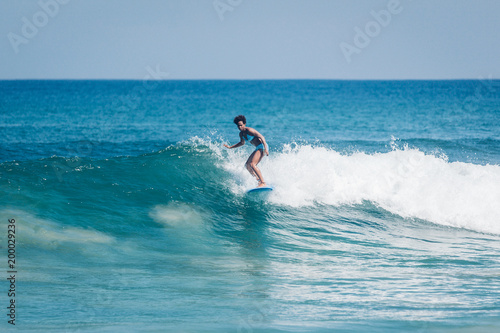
[262,189]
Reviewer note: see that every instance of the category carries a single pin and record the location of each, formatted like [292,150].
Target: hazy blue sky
[254,39]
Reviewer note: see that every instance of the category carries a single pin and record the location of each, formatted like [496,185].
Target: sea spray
[405,181]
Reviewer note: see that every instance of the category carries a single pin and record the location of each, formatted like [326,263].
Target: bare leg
[251,165]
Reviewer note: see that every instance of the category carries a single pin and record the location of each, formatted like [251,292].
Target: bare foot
[261,185]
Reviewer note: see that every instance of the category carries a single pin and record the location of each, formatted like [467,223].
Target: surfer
[261,148]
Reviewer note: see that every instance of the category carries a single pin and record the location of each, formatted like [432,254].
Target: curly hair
[240,118]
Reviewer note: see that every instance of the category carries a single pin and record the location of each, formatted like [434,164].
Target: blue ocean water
[131,215]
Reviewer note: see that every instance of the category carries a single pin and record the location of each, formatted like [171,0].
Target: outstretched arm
[239,144]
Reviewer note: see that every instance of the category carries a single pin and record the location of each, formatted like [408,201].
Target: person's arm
[266,150]
[239,144]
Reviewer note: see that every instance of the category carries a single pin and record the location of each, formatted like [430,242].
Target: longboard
[260,189]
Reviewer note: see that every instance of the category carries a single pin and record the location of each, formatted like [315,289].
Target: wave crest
[405,181]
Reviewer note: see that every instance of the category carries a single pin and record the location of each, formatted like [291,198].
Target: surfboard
[262,189]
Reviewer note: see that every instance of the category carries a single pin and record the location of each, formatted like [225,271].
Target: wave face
[406,182]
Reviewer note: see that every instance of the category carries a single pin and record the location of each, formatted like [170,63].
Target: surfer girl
[261,148]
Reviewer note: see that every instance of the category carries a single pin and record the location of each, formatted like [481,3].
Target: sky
[250,39]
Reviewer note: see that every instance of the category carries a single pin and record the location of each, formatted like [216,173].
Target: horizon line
[245,79]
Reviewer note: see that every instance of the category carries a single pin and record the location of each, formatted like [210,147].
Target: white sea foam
[49,234]
[406,182]
[177,214]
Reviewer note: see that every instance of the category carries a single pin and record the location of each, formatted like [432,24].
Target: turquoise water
[131,216]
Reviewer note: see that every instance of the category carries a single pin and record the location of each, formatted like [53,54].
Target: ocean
[130,215]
